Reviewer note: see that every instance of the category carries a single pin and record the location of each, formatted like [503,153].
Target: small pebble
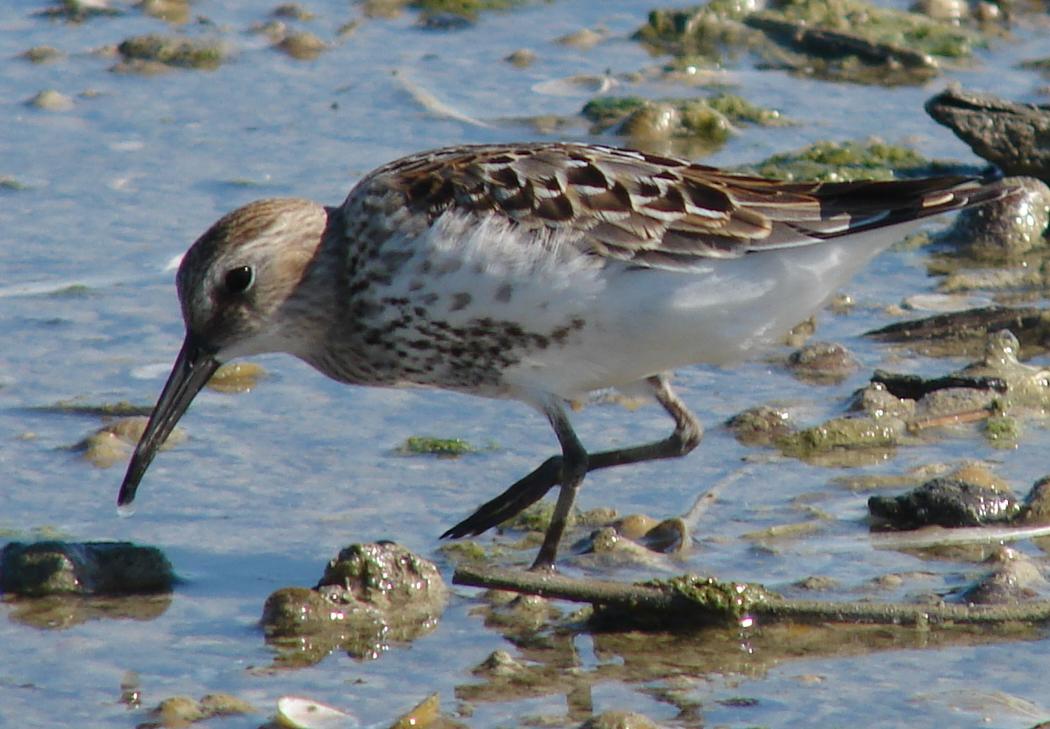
[521,58]
[822,363]
[302,45]
[583,39]
[51,100]
[42,54]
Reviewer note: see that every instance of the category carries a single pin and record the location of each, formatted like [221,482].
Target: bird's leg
[534,486]
[573,469]
[686,436]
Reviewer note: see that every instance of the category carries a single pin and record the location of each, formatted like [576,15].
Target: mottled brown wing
[656,211]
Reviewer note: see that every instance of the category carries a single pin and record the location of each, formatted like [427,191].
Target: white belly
[624,323]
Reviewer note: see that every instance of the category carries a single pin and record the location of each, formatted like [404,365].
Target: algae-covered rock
[370,595]
[177,51]
[843,433]
[83,568]
[706,30]
[688,127]
[848,40]
[730,601]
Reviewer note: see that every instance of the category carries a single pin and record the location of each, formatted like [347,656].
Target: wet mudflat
[129,129]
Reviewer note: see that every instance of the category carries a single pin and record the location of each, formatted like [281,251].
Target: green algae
[739,109]
[842,161]
[417,445]
[606,111]
[465,8]
[536,518]
[1002,431]
[729,600]
[121,408]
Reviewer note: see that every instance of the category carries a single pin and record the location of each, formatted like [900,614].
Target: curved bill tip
[192,369]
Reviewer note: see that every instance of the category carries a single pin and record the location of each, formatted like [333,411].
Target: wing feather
[652,211]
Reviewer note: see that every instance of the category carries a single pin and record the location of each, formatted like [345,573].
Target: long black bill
[193,367]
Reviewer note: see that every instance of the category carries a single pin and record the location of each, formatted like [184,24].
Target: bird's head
[238,284]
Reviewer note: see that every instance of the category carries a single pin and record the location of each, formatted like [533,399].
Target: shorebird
[531,272]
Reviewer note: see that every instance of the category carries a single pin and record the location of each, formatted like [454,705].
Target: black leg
[686,436]
[530,489]
[573,469]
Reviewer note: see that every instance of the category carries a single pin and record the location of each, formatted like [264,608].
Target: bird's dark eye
[239,279]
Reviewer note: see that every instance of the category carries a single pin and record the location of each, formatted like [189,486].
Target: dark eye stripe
[238,280]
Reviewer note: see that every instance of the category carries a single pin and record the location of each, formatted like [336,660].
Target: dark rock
[83,568]
[946,502]
[1015,137]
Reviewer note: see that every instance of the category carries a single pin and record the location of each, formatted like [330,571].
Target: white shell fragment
[297,712]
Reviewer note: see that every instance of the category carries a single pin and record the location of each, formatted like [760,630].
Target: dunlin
[531,272]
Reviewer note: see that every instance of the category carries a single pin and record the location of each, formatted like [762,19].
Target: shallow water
[271,484]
